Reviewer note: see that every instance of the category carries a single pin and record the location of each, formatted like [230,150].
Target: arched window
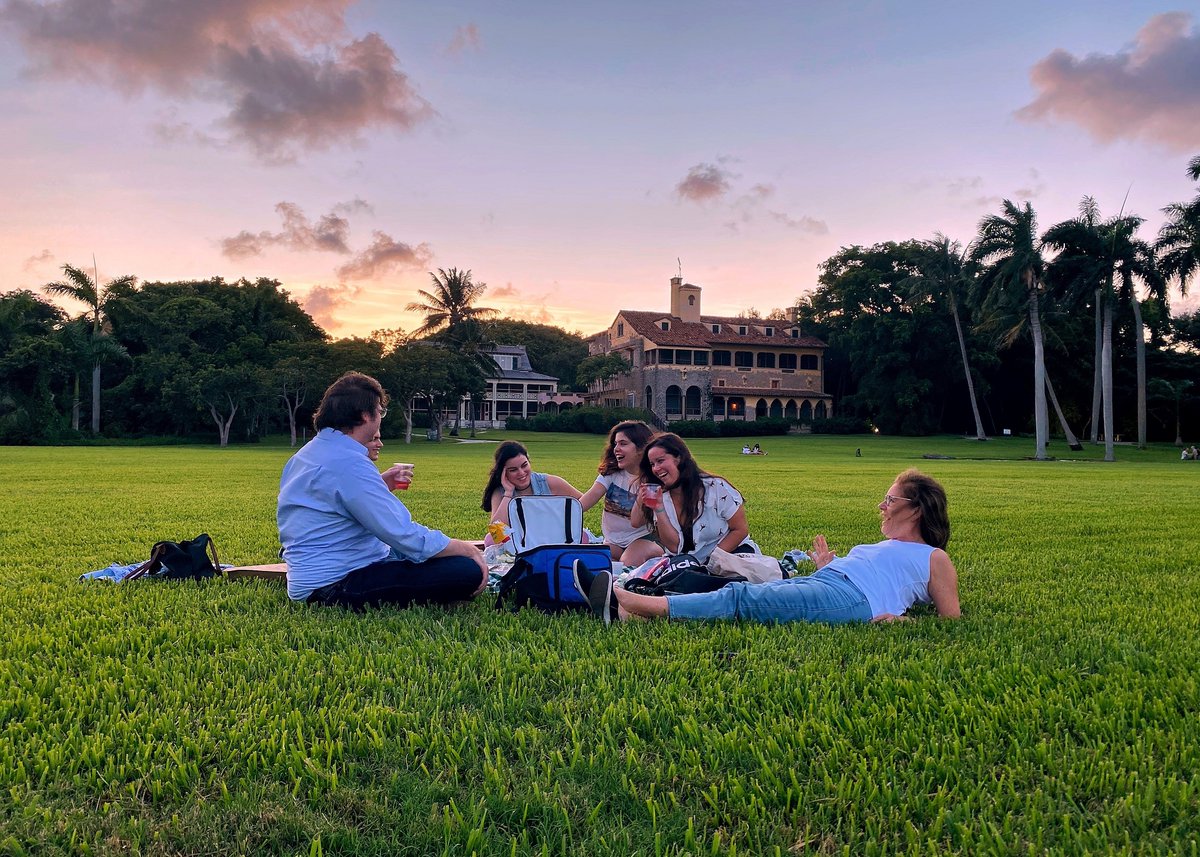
[691,404]
[718,406]
[776,409]
[821,410]
[789,410]
[649,404]
[760,410]
[691,300]
[806,412]
[674,402]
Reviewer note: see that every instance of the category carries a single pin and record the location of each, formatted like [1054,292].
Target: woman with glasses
[872,583]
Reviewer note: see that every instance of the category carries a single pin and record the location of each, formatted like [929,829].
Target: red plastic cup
[403,485]
[653,496]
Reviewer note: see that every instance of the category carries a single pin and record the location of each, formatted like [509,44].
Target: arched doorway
[760,410]
[789,411]
[776,410]
[691,404]
[806,412]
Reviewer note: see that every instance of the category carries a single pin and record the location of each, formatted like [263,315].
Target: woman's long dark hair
[690,483]
[505,451]
[638,433]
[927,494]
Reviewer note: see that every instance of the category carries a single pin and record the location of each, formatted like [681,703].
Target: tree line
[930,335]
[234,360]
[924,335]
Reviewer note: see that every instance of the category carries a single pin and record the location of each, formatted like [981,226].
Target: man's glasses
[382,413]
[889,499]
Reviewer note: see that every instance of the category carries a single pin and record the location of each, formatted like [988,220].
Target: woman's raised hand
[821,554]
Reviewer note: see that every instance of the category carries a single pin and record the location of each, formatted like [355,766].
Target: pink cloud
[1150,90]
[465,38]
[329,234]
[36,261]
[288,73]
[323,302]
[384,256]
[704,182]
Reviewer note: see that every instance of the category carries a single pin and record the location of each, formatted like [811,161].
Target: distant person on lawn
[346,539]
[872,583]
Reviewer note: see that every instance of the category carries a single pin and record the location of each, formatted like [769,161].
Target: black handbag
[186,560]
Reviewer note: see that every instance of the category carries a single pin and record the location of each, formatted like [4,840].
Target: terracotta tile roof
[690,334]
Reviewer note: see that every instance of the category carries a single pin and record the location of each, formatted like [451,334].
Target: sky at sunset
[574,156]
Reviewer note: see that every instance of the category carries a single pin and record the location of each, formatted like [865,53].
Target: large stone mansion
[686,365]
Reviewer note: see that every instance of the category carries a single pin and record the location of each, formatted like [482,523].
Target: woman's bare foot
[633,606]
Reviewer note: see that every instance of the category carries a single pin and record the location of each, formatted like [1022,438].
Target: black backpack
[180,560]
[683,575]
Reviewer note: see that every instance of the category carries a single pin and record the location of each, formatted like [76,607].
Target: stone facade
[686,365]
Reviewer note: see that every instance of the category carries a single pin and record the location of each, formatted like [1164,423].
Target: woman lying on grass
[872,583]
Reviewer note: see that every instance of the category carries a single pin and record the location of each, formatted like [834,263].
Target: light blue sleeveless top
[893,575]
[540,484]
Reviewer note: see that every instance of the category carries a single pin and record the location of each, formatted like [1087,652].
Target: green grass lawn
[1061,714]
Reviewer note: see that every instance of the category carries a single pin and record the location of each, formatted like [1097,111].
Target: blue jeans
[824,596]
[402,582]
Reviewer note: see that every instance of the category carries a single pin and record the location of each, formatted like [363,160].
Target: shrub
[696,428]
[755,428]
[841,425]
[585,420]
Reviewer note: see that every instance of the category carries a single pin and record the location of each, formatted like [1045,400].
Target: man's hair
[346,400]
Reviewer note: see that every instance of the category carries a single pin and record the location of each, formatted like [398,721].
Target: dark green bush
[585,420]
[755,428]
[841,425]
[696,428]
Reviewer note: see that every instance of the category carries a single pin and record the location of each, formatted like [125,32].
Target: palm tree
[1135,259]
[944,275]
[1178,241]
[451,302]
[1079,268]
[85,350]
[79,286]
[1011,281]
[450,312]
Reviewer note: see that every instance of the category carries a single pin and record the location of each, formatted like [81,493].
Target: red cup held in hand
[403,478]
[653,496]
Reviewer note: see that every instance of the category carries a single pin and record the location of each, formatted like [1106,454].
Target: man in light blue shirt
[346,539]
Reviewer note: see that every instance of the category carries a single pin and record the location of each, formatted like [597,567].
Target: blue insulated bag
[547,534]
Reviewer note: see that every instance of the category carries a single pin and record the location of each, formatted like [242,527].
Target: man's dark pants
[440,580]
